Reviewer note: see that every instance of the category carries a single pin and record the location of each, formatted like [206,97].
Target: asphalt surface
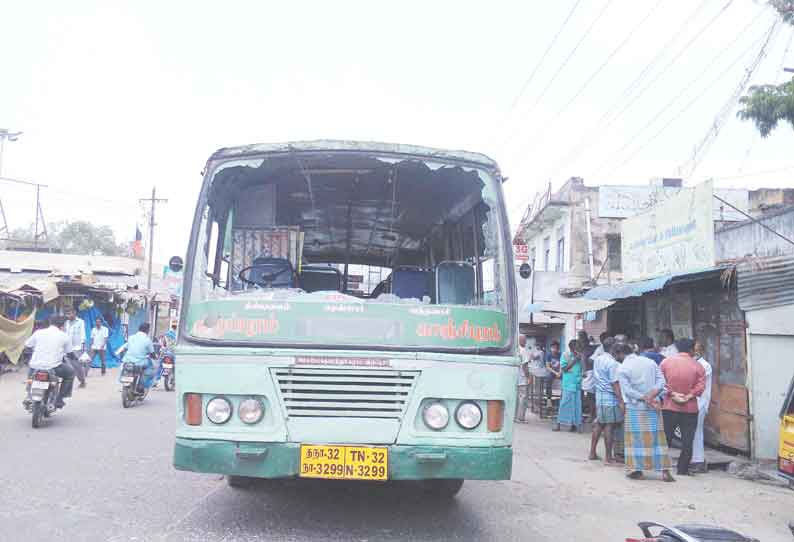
[98,472]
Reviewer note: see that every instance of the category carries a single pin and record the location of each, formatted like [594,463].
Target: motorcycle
[43,388]
[168,370]
[687,533]
[132,391]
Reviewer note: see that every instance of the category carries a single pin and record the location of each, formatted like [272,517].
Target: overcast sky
[115,97]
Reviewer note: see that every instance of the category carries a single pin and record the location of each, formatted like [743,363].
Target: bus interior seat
[410,282]
[455,283]
[278,270]
[320,278]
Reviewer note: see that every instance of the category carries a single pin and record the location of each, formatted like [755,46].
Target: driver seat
[268,266]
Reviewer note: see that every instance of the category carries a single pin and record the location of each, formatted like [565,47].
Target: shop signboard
[627,201]
[674,236]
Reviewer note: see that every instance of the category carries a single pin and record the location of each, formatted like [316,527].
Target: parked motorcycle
[43,388]
[168,370]
[656,532]
[132,391]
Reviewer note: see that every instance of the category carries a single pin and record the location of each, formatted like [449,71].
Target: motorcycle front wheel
[169,382]
[38,414]
[126,400]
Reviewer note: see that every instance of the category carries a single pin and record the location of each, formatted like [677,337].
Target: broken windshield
[351,249]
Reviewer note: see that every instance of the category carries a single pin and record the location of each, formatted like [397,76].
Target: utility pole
[5,133]
[153,201]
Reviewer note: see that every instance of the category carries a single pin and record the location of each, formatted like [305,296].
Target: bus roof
[353,146]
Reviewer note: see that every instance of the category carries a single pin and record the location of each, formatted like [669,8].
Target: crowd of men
[640,397]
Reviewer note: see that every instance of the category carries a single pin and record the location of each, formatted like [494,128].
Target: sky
[115,98]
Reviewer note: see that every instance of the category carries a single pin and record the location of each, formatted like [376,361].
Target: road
[98,472]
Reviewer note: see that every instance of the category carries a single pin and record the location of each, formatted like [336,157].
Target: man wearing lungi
[641,382]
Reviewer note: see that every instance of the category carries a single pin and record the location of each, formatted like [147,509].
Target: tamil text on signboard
[674,236]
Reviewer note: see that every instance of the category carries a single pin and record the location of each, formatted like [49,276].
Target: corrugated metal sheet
[636,289]
[765,283]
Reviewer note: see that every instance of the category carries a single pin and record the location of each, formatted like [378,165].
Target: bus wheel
[443,489]
[240,482]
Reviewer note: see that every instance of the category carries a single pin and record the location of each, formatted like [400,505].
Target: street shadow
[335,510]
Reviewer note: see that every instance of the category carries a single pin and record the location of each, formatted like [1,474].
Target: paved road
[98,472]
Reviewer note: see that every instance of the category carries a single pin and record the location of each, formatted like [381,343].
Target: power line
[702,148]
[708,87]
[753,173]
[684,89]
[581,144]
[608,59]
[542,59]
[559,69]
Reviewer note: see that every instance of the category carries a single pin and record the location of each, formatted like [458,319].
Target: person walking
[698,449]
[570,413]
[523,380]
[75,330]
[645,445]
[686,381]
[99,340]
[609,402]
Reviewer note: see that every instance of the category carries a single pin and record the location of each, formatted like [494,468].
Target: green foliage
[78,237]
[768,105]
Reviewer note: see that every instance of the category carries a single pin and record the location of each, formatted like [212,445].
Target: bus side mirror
[525,271]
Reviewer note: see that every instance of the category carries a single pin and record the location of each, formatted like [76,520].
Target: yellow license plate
[344,462]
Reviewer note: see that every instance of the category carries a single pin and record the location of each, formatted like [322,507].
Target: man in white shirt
[75,330]
[698,450]
[50,345]
[99,340]
[667,346]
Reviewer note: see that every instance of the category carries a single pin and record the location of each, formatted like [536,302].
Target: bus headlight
[251,411]
[219,410]
[468,415]
[436,416]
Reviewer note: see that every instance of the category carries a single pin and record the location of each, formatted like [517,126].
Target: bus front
[348,313]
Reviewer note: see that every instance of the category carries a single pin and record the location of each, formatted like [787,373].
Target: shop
[703,306]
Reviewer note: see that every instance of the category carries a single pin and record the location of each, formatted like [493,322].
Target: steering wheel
[267,278]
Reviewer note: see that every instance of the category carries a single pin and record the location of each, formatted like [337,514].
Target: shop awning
[574,305]
[46,288]
[636,289]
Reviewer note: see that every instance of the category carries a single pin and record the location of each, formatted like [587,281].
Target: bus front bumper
[281,460]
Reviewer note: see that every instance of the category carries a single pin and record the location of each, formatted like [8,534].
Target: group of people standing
[642,395]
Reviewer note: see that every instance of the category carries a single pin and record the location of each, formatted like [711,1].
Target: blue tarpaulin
[115,338]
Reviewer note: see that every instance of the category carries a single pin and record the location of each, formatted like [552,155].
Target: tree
[78,237]
[768,105]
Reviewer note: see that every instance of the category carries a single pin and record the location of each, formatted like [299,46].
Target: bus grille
[319,393]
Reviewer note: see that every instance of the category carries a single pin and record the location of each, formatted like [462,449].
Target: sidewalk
[578,497]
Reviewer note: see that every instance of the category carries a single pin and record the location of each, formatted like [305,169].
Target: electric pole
[153,201]
[5,133]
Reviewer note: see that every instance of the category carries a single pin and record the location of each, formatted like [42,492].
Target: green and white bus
[349,312]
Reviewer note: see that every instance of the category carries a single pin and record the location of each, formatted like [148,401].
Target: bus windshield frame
[222,310]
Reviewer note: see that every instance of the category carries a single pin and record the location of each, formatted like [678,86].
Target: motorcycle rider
[50,345]
[139,350]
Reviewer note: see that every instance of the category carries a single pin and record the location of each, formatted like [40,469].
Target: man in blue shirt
[139,350]
[609,401]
